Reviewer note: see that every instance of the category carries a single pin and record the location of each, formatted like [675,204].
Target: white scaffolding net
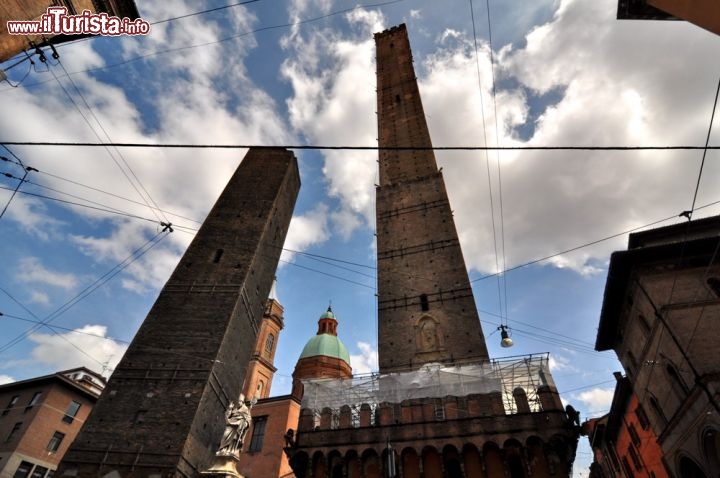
[434,381]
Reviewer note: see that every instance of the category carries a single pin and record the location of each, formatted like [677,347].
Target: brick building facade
[623,442]
[661,316]
[41,417]
[162,413]
[11,45]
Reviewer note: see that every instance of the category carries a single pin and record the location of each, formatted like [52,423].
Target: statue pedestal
[224,466]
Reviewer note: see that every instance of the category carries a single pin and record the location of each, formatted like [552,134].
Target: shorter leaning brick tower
[162,412]
[440,407]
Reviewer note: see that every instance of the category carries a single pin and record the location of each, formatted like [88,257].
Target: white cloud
[126,242]
[333,102]
[558,363]
[306,230]
[611,88]
[31,270]
[38,297]
[6,379]
[366,361]
[198,95]
[77,349]
[32,216]
[596,399]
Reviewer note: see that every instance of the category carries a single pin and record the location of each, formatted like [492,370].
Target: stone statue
[237,423]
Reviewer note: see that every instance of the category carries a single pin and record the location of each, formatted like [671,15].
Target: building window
[626,468]
[632,361]
[635,458]
[658,411]
[613,457]
[633,435]
[218,256]
[424,304]
[10,405]
[644,324]
[258,434]
[14,431]
[269,343]
[642,417]
[55,442]
[439,412]
[714,284]
[33,401]
[39,472]
[677,383]
[23,470]
[71,412]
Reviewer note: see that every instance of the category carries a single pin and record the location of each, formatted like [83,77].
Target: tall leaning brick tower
[161,414]
[439,407]
[426,309]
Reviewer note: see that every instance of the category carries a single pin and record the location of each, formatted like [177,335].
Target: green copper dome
[327,345]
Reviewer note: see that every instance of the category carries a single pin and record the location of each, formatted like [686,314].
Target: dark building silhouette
[703,13]
[661,316]
[439,406]
[162,413]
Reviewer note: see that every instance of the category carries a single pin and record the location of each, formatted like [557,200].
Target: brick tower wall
[427,312]
[162,413]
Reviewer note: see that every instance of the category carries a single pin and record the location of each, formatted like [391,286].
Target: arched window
[676,381]
[711,448]
[269,342]
[690,469]
[655,405]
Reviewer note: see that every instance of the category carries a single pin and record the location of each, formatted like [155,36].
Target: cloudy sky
[566,73]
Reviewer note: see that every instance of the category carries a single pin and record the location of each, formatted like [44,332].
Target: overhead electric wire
[587,244]
[120,213]
[497,157]
[59,327]
[519,266]
[100,281]
[81,144]
[707,142]
[14,192]
[165,211]
[588,344]
[341,267]
[122,158]
[487,159]
[327,274]
[223,7]
[50,328]
[104,337]
[238,35]
[587,386]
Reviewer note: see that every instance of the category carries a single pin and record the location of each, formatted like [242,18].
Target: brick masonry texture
[427,312]
[162,412]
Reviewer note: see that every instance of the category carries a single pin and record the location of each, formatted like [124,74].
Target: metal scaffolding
[432,381]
